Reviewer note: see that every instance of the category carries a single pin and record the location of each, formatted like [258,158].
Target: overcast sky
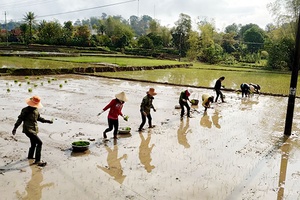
[223,12]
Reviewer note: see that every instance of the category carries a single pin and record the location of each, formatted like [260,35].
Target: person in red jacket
[115,107]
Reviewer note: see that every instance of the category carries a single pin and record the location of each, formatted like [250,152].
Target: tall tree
[68,31]
[233,28]
[180,33]
[120,33]
[50,33]
[29,18]
[194,44]
[82,35]
[24,30]
[211,51]
[254,39]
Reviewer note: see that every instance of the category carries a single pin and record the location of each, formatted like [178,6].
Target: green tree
[285,11]
[281,53]
[212,54]
[254,39]
[194,44]
[246,27]
[156,40]
[121,34]
[233,28]
[180,33]
[210,50]
[229,44]
[145,42]
[165,36]
[50,33]
[67,33]
[82,36]
[24,31]
[29,18]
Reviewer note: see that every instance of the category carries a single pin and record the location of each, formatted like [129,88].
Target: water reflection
[247,103]
[205,121]
[145,152]
[114,167]
[34,187]
[285,151]
[80,154]
[215,119]
[182,132]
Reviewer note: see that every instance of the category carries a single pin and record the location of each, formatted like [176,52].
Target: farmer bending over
[207,100]
[183,102]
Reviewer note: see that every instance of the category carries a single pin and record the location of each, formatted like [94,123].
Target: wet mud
[235,150]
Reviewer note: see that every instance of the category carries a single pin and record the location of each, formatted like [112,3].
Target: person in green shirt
[145,108]
[30,116]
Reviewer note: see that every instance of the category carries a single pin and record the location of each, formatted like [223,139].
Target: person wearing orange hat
[145,108]
[115,109]
[30,116]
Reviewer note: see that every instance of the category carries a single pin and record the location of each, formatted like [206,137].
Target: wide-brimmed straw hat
[152,92]
[34,101]
[121,96]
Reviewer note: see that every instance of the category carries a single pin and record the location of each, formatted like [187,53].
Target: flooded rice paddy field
[234,151]
[274,83]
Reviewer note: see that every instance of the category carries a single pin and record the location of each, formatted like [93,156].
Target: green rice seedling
[8,90]
[49,81]
[16,81]
[37,78]
[35,85]
[7,83]
[66,81]
[29,90]
[28,82]
[60,85]
[26,77]
[42,83]
[20,84]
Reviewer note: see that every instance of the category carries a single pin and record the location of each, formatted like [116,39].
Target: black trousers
[219,93]
[112,124]
[149,117]
[182,105]
[36,146]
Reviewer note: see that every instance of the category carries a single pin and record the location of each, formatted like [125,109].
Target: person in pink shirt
[115,109]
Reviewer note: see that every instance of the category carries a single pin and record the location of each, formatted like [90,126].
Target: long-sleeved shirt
[184,95]
[218,85]
[146,104]
[205,100]
[115,109]
[30,116]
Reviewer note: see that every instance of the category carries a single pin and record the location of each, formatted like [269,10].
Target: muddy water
[233,151]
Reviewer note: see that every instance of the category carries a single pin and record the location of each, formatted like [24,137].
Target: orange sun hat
[34,101]
[152,92]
